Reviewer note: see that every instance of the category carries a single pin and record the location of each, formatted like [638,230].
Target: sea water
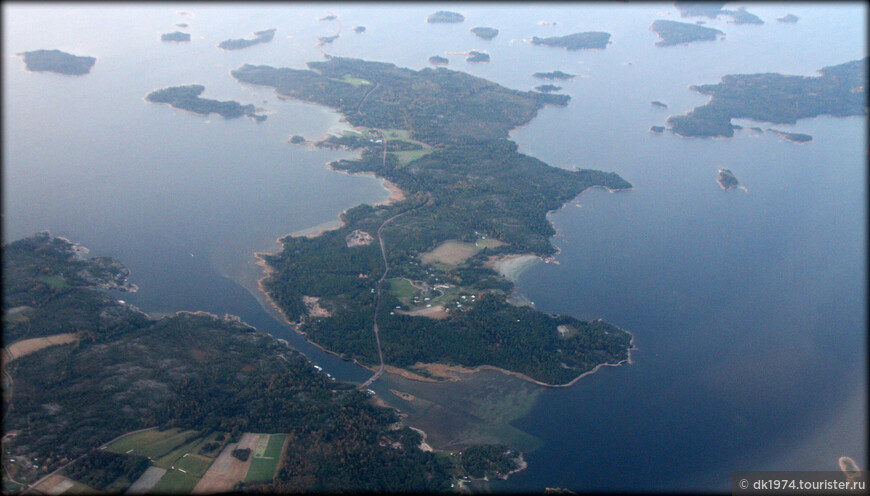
[747,307]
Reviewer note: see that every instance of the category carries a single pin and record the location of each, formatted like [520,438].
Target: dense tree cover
[839,91]
[438,60]
[437,105]
[58,61]
[484,32]
[264,36]
[576,41]
[727,180]
[175,36]
[675,33]
[488,461]
[554,75]
[714,10]
[471,182]
[445,16]
[547,88]
[192,371]
[48,288]
[475,56]
[187,98]
[107,471]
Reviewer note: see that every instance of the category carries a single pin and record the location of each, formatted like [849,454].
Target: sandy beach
[511,266]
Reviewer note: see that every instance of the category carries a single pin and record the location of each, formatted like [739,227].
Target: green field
[276,442]
[401,287]
[153,443]
[267,454]
[262,469]
[408,156]
[347,78]
[175,482]
[56,282]
[194,464]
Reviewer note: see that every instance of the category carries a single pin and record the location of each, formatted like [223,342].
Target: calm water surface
[748,308]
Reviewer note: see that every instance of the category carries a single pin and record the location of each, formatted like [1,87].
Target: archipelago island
[57,61]
[839,90]
[445,16]
[264,36]
[116,400]
[677,33]
[187,98]
[576,41]
[485,33]
[176,36]
[414,282]
[727,180]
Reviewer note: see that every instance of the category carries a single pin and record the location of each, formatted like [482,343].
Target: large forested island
[840,91]
[576,41]
[83,372]
[264,36]
[445,16]
[187,98]
[58,61]
[675,33]
[421,269]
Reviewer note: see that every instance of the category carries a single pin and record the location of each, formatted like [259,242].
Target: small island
[793,137]
[264,36]
[657,129]
[187,98]
[548,88]
[656,103]
[788,18]
[714,10]
[576,41]
[438,60]
[182,25]
[177,36]
[325,40]
[476,57]
[445,16]
[485,33]
[554,75]
[839,91]
[681,33]
[359,29]
[58,62]
[330,17]
[727,180]
[297,140]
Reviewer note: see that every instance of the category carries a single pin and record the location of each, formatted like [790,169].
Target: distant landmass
[656,103]
[120,399]
[676,33]
[576,41]
[727,180]
[445,16]
[438,60]
[657,129]
[359,29]
[548,88]
[264,36]
[714,10]
[840,91]
[485,33]
[475,56]
[788,18]
[58,61]
[187,98]
[554,75]
[177,36]
[793,137]
[425,288]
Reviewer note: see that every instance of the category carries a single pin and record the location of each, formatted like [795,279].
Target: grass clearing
[175,482]
[262,469]
[408,156]
[450,253]
[140,440]
[56,282]
[262,442]
[401,287]
[194,464]
[276,444]
[488,243]
[353,81]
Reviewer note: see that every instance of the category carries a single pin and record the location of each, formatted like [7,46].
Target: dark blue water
[748,307]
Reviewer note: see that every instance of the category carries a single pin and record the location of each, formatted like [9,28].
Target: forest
[838,91]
